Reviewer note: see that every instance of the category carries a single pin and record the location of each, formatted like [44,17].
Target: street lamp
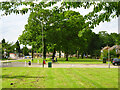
[42,43]
[108,58]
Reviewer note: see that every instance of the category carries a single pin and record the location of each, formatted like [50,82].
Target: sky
[12,26]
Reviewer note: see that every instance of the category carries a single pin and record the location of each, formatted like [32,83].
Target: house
[57,54]
[36,55]
[115,47]
[13,55]
[105,48]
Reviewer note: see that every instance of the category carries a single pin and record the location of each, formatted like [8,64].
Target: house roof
[115,47]
[105,48]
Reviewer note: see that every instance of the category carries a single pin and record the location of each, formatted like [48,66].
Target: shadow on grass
[20,76]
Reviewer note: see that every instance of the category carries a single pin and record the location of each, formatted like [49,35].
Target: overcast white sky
[12,26]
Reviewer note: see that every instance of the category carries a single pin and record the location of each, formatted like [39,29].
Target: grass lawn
[33,77]
[71,60]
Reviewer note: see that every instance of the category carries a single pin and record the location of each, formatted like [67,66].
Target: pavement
[56,65]
[11,60]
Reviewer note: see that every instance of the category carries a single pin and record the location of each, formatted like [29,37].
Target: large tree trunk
[82,55]
[19,54]
[59,54]
[77,54]
[32,53]
[44,51]
[53,54]
[66,56]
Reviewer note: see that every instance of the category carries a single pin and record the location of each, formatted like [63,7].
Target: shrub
[112,54]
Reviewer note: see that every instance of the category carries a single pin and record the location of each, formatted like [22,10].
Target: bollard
[29,63]
[25,63]
[7,62]
[44,62]
[108,65]
[38,61]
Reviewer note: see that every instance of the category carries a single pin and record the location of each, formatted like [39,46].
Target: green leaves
[13,7]
[62,27]
[81,33]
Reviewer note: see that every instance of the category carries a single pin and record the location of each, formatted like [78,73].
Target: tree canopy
[64,29]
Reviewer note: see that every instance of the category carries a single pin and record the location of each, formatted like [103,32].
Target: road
[57,65]
[11,60]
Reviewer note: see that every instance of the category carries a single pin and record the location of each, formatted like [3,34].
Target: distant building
[39,55]
[115,47]
[57,54]
[105,48]
[13,55]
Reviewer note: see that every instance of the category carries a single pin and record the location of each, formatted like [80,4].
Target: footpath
[56,65]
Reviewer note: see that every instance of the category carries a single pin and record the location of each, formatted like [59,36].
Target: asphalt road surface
[56,65]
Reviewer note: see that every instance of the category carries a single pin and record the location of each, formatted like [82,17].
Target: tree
[25,51]
[12,6]
[106,39]
[90,42]
[17,46]
[3,41]
[114,37]
[112,53]
[3,45]
[64,33]
[118,39]
[7,48]
[32,34]
[93,18]
[111,10]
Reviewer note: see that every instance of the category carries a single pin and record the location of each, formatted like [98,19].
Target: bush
[112,54]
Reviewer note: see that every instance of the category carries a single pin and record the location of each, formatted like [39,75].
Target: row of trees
[64,29]
[94,43]
[8,48]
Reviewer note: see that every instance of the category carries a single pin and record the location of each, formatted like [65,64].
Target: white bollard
[38,61]
[25,63]
[7,62]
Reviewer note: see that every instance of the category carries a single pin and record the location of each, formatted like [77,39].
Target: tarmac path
[56,65]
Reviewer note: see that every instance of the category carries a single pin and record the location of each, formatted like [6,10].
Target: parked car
[26,57]
[116,61]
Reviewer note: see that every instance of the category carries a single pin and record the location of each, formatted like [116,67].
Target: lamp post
[42,43]
[108,58]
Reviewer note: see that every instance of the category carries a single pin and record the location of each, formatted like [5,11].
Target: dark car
[116,61]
